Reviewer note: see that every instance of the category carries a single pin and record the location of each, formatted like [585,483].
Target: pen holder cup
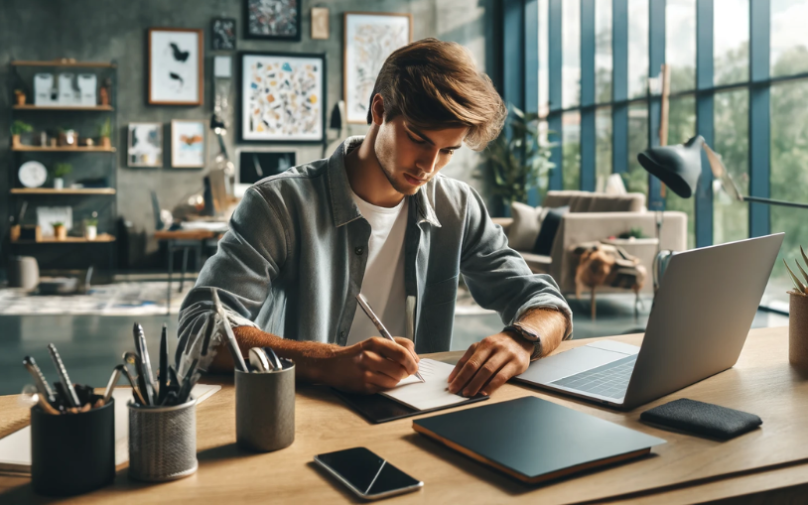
[72,453]
[162,442]
[265,408]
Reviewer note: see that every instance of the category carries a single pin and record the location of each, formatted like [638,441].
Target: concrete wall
[101,30]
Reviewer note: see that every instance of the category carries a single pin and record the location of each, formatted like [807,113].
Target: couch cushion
[525,227]
[538,263]
[585,201]
[549,228]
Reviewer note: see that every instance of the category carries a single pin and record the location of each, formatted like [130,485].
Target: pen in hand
[379,326]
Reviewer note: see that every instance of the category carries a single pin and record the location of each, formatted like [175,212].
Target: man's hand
[489,363]
[370,366]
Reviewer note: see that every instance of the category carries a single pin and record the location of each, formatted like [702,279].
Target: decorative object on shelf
[187,144]
[19,96]
[68,137]
[176,70]
[52,142]
[88,142]
[17,129]
[69,94]
[145,145]
[103,92]
[282,97]
[87,84]
[272,19]
[798,316]
[59,230]
[104,133]
[369,40]
[91,227]
[223,34]
[60,170]
[32,174]
[45,92]
[319,23]
[46,216]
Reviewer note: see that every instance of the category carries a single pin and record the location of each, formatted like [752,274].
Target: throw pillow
[549,227]
[525,226]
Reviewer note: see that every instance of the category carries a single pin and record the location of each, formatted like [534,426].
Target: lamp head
[678,166]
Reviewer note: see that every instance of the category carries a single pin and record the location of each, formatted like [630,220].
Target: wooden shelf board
[68,191]
[80,149]
[100,108]
[57,63]
[102,237]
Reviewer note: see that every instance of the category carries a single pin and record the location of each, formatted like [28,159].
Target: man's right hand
[370,366]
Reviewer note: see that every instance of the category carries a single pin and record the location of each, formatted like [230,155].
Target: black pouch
[699,418]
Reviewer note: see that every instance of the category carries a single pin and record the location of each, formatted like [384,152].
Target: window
[571,54]
[730,41]
[636,179]
[637,48]
[680,44]
[682,126]
[789,37]
[571,145]
[603,149]
[731,120]
[603,51]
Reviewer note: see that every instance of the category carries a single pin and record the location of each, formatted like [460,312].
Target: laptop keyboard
[609,380]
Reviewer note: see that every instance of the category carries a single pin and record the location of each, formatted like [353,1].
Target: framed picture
[176,70]
[272,19]
[255,163]
[282,97]
[319,23]
[187,143]
[223,34]
[369,40]
[144,146]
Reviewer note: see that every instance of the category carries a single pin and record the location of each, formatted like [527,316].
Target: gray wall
[101,30]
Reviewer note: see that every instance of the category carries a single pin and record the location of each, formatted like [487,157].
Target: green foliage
[519,158]
[62,169]
[57,224]
[105,130]
[799,287]
[635,232]
[18,127]
[91,222]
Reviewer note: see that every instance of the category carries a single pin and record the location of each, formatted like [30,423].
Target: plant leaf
[800,287]
[804,256]
[801,270]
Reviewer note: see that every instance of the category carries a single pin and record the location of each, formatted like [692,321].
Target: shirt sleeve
[249,258]
[498,277]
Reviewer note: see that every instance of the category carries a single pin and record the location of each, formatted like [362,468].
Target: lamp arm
[769,201]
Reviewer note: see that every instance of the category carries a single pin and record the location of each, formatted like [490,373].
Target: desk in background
[770,463]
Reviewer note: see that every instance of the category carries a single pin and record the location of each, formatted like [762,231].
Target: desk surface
[686,469]
[186,234]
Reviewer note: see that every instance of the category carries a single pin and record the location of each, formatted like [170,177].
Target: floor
[91,345]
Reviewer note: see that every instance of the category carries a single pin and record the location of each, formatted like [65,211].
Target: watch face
[32,174]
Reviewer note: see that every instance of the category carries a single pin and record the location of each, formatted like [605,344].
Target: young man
[376,218]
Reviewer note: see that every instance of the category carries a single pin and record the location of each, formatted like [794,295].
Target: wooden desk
[687,469]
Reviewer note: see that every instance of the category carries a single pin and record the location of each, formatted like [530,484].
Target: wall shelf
[103,238]
[97,108]
[63,149]
[68,191]
[59,63]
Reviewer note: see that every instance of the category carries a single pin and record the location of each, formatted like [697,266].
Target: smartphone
[365,473]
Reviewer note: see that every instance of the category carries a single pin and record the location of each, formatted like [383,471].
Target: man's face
[410,157]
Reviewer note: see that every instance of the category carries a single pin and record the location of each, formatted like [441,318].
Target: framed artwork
[144,146]
[176,72]
[319,23]
[272,19]
[223,34]
[282,97]
[187,143]
[369,40]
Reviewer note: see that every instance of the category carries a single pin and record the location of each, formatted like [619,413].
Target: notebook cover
[381,409]
[701,418]
[535,440]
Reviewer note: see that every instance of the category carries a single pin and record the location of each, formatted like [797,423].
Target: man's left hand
[487,364]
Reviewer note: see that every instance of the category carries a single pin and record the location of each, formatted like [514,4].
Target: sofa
[591,217]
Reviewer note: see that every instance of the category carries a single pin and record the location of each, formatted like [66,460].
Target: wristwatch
[527,334]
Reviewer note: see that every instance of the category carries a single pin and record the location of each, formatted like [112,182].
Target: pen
[163,367]
[70,392]
[379,326]
[42,385]
[259,360]
[116,373]
[238,359]
[274,362]
[133,383]
[145,364]
[133,359]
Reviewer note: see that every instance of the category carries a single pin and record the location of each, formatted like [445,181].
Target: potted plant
[798,316]
[60,170]
[17,129]
[104,131]
[59,230]
[19,96]
[91,227]
[519,158]
[68,137]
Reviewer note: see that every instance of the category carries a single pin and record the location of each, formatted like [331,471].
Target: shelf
[68,191]
[80,149]
[97,108]
[59,63]
[101,238]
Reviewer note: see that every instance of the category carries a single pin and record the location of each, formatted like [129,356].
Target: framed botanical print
[282,97]
[369,40]
[187,144]
[272,19]
[144,146]
[223,34]
[176,73]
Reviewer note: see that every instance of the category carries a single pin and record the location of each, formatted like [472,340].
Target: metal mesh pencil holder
[162,442]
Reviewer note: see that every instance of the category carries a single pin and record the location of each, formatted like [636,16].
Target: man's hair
[434,85]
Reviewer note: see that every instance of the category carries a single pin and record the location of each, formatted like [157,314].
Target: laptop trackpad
[567,363]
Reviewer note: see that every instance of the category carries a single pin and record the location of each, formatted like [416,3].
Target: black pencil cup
[72,453]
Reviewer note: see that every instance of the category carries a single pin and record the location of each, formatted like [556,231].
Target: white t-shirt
[383,283]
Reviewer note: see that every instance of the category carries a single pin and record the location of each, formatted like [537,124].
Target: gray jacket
[294,257]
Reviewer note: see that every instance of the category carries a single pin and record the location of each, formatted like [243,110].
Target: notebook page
[430,394]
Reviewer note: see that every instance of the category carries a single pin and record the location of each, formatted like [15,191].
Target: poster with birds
[175,66]
[282,97]
[187,144]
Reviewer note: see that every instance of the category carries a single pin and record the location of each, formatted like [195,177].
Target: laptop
[701,315]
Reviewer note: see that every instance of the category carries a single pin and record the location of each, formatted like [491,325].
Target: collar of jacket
[343,207]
